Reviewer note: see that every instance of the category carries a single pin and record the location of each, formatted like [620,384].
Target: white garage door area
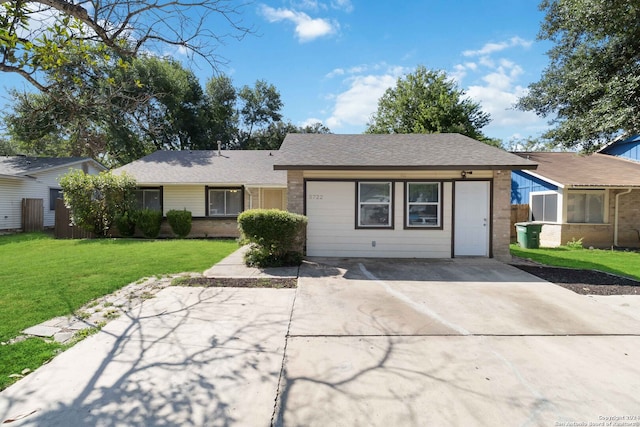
[332,232]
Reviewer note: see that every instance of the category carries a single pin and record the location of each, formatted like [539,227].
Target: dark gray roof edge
[405,168]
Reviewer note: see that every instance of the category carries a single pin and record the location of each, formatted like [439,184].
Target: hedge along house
[400,196]
[214,185]
[26,177]
[594,197]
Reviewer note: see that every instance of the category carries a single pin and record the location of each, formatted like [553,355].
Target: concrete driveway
[360,342]
[453,342]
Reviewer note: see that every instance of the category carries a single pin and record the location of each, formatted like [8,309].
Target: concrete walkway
[234,266]
[360,342]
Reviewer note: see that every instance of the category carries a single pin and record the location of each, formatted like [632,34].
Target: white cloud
[354,106]
[345,5]
[498,87]
[335,72]
[315,5]
[307,28]
[310,122]
[490,48]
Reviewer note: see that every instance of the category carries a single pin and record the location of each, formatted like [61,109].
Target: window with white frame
[585,206]
[148,198]
[544,207]
[375,204]
[423,204]
[225,201]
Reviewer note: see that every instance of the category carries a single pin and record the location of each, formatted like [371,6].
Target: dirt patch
[232,282]
[584,282]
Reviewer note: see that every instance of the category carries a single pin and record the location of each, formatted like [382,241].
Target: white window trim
[559,205]
[390,203]
[438,204]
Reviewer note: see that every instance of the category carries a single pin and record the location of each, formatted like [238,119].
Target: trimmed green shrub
[126,223]
[277,237]
[149,222]
[180,222]
[96,200]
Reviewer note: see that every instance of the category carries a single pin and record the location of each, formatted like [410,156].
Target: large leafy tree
[428,101]
[250,117]
[37,35]
[591,88]
[222,97]
[113,110]
[260,107]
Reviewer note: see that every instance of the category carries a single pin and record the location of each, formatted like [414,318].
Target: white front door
[471,218]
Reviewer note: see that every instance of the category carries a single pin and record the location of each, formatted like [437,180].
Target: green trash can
[528,234]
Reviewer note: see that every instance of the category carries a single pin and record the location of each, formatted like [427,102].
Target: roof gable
[628,148]
[230,167]
[577,170]
[393,152]
[24,166]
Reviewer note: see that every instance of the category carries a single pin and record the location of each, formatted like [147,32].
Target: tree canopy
[38,35]
[591,88]
[114,111]
[428,101]
[118,110]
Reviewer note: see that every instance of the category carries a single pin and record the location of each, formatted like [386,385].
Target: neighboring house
[23,177]
[400,196]
[594,197]
[628,148]
[214,185]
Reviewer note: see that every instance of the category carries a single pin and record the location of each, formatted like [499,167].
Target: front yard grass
[617,262]
[41,278]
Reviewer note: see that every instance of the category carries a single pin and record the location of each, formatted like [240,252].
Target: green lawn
[617,262]
[41,278]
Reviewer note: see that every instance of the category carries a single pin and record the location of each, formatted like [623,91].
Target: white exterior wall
[12,191]
[11,194]
[189,197]
[331,209]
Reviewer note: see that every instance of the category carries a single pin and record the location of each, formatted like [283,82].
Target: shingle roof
[595,170]
[21,166]
[444,151]
[237,167]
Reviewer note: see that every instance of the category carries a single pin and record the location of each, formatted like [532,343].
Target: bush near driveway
[277,237]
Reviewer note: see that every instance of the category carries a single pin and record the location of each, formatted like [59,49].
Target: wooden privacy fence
[63,228]
[519,213]
[32,215]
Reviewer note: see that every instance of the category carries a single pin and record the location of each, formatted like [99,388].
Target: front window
[54,194]
[544,207]
[423,204]
[148,198]
[225,202]
[585,207]
[374,204]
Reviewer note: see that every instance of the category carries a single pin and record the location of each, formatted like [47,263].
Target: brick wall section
[628,218]
[206,227]
[501,215]
[295,191]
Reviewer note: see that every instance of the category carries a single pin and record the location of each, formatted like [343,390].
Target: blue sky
[332,59]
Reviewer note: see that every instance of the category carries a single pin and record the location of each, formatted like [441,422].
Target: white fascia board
[544,178]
